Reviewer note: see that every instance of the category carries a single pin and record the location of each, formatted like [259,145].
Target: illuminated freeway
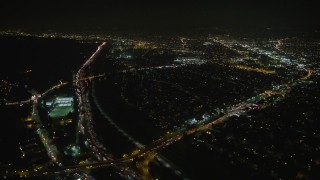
[85,124]
[61,84]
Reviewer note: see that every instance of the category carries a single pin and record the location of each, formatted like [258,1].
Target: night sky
[158,15]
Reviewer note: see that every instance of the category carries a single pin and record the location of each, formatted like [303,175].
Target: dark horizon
[160,16]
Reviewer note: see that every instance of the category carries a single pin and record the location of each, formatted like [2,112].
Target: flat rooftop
[61,106]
